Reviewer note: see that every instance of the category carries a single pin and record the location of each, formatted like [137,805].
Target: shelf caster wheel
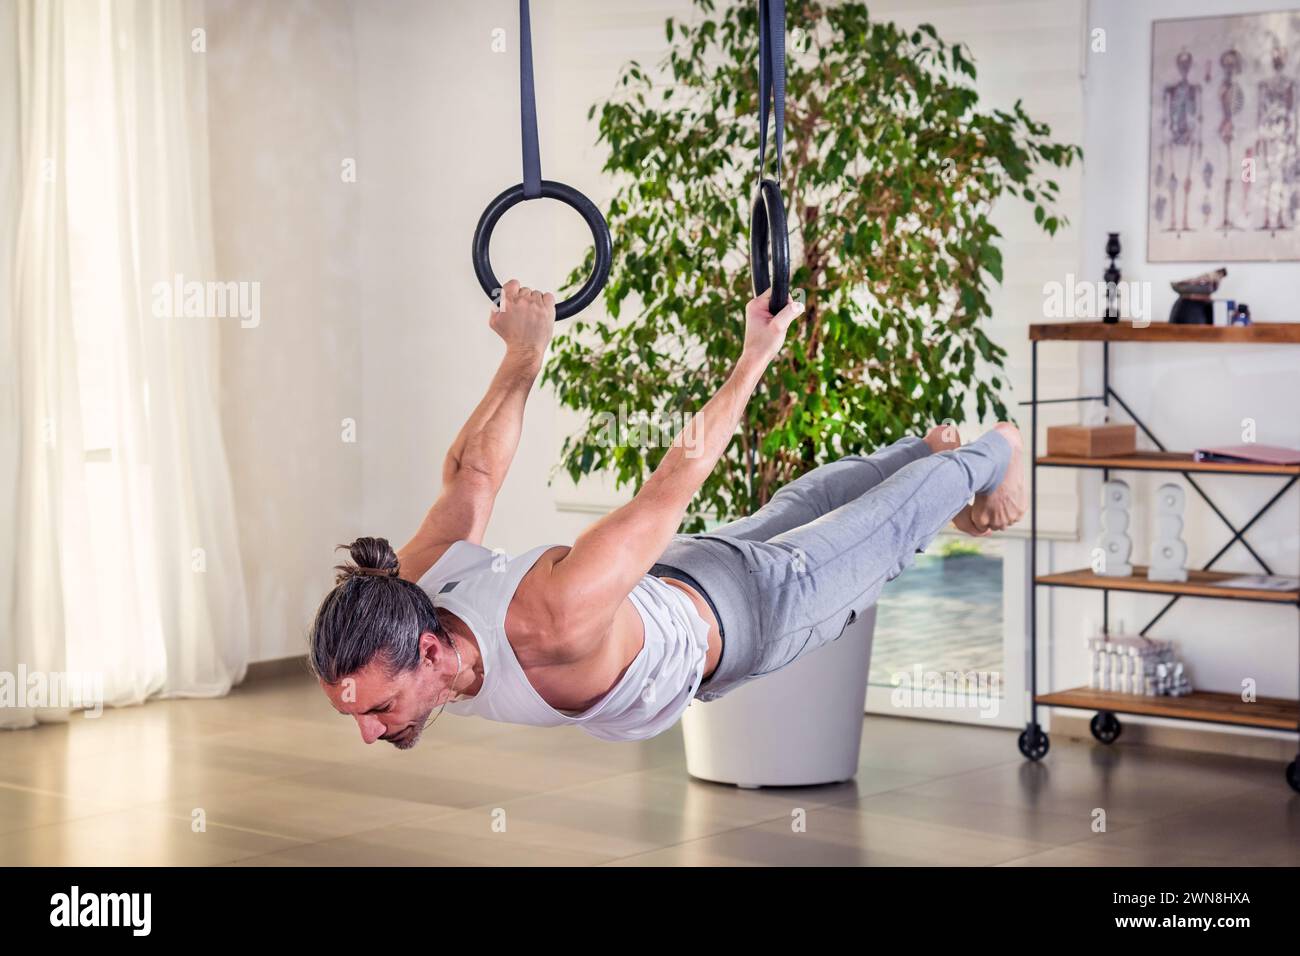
[1106,727]
[1033,743]
[1293,775]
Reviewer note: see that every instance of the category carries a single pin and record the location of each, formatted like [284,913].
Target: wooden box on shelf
[1091,441]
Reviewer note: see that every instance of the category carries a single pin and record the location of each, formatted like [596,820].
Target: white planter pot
[798,727]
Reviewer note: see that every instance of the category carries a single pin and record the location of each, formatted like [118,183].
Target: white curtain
[122,558]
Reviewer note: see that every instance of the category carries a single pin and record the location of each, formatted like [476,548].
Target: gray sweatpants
[789,578]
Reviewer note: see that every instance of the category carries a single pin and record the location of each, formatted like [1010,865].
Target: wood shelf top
[1276,713]
[1167,461]
[1207,584]
[1260,333]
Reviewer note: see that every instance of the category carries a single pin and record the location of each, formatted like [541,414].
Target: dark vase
[1192,312]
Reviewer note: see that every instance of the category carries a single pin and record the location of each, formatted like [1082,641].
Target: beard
[412,734]
[410,738]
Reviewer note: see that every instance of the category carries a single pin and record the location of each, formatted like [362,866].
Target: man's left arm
[581,593]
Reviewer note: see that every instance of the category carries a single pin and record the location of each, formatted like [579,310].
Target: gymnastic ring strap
[771,78]
[767,232]
[534,187]
[528,106]
[571,197]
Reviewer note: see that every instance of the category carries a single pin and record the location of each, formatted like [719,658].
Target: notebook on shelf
[1262,582]
[1251,453]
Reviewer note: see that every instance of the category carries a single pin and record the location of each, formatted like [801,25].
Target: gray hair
[371,614]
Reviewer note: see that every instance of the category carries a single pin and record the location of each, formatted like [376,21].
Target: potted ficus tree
[891,170]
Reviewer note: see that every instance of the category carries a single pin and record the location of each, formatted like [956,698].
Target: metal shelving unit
[1205,583]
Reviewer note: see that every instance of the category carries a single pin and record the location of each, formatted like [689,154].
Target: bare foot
[1006,504]
[964,523]
[942,438]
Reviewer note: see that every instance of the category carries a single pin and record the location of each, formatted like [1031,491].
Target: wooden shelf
[1275,713]
[1208,584]
[1167,461]
[1260,333]
[1211,707]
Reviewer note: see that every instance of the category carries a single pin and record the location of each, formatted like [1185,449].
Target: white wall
[433,158]
[282,118]
[1187,394]
[1026,50]
[372,311]
[440,134]
[393,331]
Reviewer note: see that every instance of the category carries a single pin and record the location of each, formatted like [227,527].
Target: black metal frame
[1238,534]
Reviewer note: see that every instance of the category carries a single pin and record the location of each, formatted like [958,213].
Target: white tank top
[477,585]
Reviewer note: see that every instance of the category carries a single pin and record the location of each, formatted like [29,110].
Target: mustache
[399,735]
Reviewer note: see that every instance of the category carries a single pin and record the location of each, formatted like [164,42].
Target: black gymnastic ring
[767,231]
[569,196]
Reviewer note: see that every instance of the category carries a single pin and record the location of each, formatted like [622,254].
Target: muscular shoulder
[540,623]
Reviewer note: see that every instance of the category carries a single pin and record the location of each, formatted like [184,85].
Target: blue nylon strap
[528,107]
[771,76]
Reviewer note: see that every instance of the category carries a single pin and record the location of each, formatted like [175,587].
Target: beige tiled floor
[279,779]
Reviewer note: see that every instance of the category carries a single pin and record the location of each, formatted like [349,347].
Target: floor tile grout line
[712,836]
[449,811]
[560,790]
[1043,847]
[226,742]
[148,804]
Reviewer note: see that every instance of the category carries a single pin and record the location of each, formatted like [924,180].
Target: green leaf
[897,250]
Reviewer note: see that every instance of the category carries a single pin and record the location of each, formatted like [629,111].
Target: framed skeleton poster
[1224,165]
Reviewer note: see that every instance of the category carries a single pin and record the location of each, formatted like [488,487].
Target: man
[619,632]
